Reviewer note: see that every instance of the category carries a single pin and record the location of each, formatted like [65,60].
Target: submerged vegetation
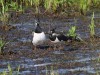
[10,71]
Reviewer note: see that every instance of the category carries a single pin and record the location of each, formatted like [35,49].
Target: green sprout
[14,5]
[84,6]
[52,71]
[72,32]
[20,9]
[3,73]
[32,2]
[51,4]
[17,7]
[92,26]
[10,71]
[36,3]
[47,4]
[2,44]
[4,16]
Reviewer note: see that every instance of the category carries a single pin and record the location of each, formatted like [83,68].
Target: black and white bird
[55,38]
[38,35]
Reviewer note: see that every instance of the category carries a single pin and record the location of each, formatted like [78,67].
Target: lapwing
[38,35]
[58,37]
[55,37]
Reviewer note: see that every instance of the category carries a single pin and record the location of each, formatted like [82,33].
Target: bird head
[38,28]
[52,31]
[36,23]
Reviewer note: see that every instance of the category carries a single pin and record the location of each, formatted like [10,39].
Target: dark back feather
[62,37]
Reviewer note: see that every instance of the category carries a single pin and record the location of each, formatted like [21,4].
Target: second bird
[54,37]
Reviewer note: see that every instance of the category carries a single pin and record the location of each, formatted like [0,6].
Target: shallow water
[71,58]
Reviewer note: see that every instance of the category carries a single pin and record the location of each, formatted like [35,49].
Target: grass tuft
[92,26]
[2,44]
[10,71]
[72,32]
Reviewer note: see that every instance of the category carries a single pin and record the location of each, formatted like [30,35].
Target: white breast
[38,38]
[56,40]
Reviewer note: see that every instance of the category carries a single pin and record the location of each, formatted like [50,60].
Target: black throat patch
[38,29]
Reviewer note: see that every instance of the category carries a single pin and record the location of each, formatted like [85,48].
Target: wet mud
[68,58]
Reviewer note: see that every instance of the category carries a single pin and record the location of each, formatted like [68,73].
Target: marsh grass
[6,7]
[2,44]
[14,6]
[10,71]
[97,61]
[36,3]
[72,32]
[84,6]
[51,5]
[4,16]
[96,3]
[47,5]
[92,26]
[51,71]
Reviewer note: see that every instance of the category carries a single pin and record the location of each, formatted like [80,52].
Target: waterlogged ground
[76,58]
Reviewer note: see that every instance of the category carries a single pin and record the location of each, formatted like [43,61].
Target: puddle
[87,69]
[24,40]
[58,52]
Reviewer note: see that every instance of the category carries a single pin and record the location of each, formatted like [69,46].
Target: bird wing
[52,37]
